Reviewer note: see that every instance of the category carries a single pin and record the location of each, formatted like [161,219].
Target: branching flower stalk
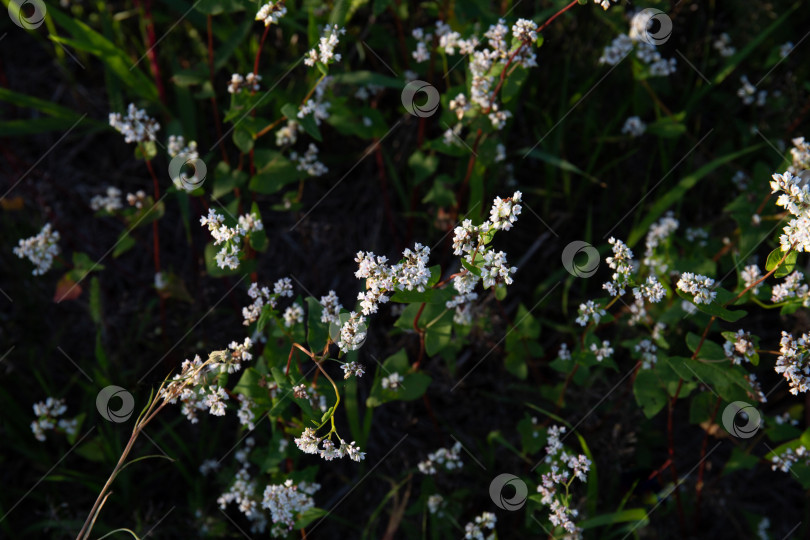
[168,391]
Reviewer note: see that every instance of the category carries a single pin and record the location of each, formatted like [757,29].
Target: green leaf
[95,300]
[258,239]
[307,122]
[439,333]
[317,332]
[638,515]
[118,61]
[666,128]
[279,172]
[125,243]
[307,517]
[786,268]
[412,387]
[714,308]
[422,165]
[249,385]
[243,139]
[709,350]
[649,394]
[559,163]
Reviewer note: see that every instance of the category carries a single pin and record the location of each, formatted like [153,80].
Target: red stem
[214,105]
[152,44]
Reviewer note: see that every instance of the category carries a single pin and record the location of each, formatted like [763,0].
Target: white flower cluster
[564,469]
[474,530]
[287,501]
[602,352]
[435,502]
[40,249]
[748,93]
[190,387]
[659,232]
[525,30]
[622,263]
[326,47]
[792,287]
[392,382]
[699,286]
[750,275]
[634,127]
[47,413]
[287,134]
[136,126]
[294,314]
[647,349]
[245,413]
[741,349]
[262,296]
[352,368]
[652,290]
[800,154]
[504,212]
[788,458]
[381,278]
[271,12]
[450,40]
[446,458]
[792,362]
[310,443]
[248,82]
[110,202]
[352,333]
[243,493]
[177,147]
[723,45]
[795,198]
[621,46]
[564,353]
[331,308]
[604,3]
[421,53]
[316,106]
[588,311]
[136,199]
[230,237]
[308,162]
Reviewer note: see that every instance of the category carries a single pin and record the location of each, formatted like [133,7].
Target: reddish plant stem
[671,454]
[565,387]
[748,288]
[214,106]
[150,52]
[702,467]
[563,10]
[259,52]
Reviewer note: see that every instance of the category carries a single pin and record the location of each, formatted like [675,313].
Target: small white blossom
[634,127]
[699,286]
[136,126]
[326,47]
[110,202]
[40,249]
[271,12]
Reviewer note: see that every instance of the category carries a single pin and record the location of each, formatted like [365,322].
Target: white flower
[40,249]
[495,269]
[750,275]
[792,363]
[352,368]
[326,47]
[604,3]
[647,349]
[622,263]
[215,399]
[248,82]
[446,458]
[590,310]
[287,134]
[792,287]
[229,237]
[435,502]
[47,412]
[352,333]
[741,349]
[525,30]
[109,202]
[331,308]
[294,314]
[603,352]
[652,290]
[271,12]
[136,126]
[309,163]
[285,502]
[620,47]
[208,466]
[634,127]
[723,45]
[699,286]
[474,530]
[563,353]
[392,382]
